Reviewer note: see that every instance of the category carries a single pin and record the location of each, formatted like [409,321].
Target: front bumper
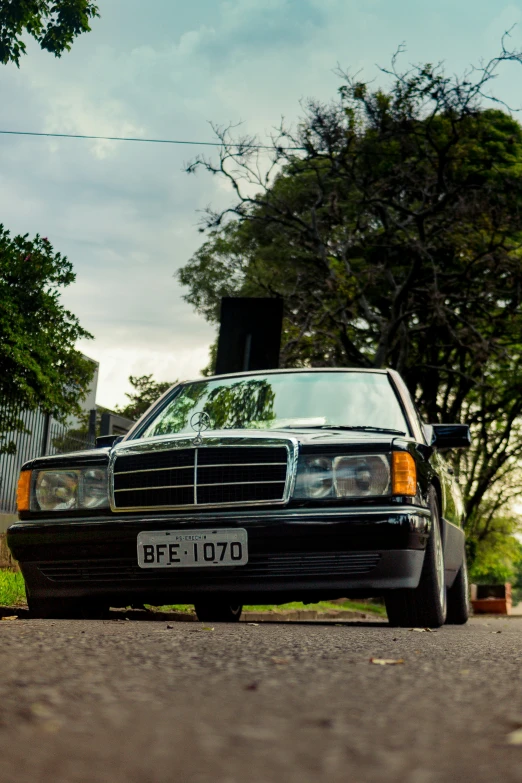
[294,554]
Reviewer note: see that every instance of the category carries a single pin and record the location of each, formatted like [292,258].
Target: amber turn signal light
[23,493]
[404,474]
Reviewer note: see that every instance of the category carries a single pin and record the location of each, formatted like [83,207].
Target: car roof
[286,371]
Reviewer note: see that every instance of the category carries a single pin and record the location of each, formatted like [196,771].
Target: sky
[126,214]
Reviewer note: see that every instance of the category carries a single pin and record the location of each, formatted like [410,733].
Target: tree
[498,558]
[390,221]
[54,24]
[146,391]
[39,364]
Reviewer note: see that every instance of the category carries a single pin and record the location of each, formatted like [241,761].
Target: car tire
[218,612]
[458,598]
[426,605]
[66,609]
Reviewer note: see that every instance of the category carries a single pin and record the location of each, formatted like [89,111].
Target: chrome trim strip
[225,440]
[195,477]
[243,464]
[293,516]
[162,486]
[153,470]
[217,465]
[317,516]
[241,483]
[217,484]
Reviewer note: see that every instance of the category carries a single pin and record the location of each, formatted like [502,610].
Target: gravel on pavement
[123,701]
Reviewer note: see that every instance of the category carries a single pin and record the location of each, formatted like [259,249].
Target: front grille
[290,565]
[200,476]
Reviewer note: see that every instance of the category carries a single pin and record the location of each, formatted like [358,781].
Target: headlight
[64,490]
[314,478]
[94,491]
[357,475]
[361,476]
[55,490]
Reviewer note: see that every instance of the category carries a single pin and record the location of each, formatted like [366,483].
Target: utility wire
[148,141]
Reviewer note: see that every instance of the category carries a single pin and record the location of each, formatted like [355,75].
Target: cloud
[126,214]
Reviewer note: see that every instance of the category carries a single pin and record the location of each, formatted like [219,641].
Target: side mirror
[102,441]
[450,436]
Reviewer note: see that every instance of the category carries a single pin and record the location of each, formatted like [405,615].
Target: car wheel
[218,612]
[426,605]
[66,608]
[458,597]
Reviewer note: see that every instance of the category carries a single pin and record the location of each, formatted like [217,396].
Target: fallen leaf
[386,661]
[495,631]
[11,617]
[170,626]
[464,671]
[515,737]
[252,623]
[207,628]
[423,630]
[41,710]
[280,661]
[253,686]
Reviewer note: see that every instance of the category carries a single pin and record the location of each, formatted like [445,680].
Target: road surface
[120,700]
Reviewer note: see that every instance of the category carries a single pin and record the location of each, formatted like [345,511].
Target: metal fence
[45,437]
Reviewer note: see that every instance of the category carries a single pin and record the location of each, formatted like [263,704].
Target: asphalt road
[119,700]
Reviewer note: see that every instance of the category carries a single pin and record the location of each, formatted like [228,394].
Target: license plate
[190,549]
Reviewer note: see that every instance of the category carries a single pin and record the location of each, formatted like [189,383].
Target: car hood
[304,436]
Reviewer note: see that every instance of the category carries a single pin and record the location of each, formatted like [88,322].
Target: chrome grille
[200,476]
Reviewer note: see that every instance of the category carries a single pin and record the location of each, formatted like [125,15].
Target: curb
[22,612]
[139,615]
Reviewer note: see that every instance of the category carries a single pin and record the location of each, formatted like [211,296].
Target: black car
[260,487]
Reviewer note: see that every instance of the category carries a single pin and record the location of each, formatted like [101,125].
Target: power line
[147,141]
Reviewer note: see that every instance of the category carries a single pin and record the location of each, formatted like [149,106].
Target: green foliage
[54,24]
[39,364]
[250,402]
[146,391]
[12,588]
[321,606]
[497,558]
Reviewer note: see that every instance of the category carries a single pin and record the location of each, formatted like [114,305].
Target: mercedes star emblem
[199,422]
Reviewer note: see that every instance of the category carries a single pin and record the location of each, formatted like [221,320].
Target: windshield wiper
[355,428]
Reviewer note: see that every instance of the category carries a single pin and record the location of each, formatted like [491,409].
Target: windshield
[286,400]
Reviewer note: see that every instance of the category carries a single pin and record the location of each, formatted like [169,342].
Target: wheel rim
[439,564]
[466,580]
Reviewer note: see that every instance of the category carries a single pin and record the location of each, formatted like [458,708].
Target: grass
[12,588]
[184,608]
[322,606]
[12,593]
